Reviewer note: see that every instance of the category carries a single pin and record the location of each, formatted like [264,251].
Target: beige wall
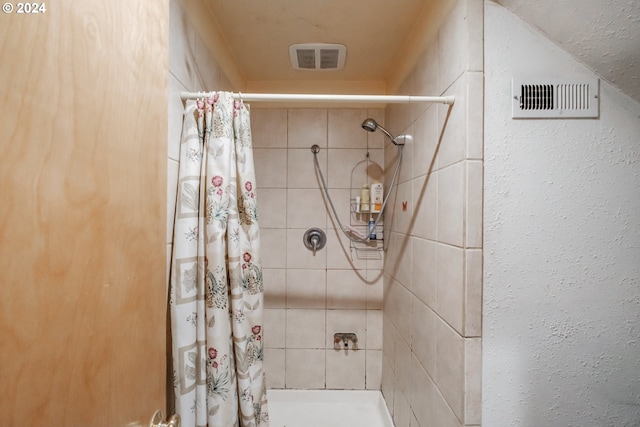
[433,268]
[82,213]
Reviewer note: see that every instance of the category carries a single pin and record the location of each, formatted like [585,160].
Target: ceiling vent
[554,98]
[317,56]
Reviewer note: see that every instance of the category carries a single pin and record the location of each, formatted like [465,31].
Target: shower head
[371,125]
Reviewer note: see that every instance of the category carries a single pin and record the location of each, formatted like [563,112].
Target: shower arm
[391,137]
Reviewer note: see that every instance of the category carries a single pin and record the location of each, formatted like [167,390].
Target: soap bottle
[364,199]
[377,195]
[372,229]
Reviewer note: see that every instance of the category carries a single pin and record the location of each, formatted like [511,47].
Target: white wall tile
[423,336]
[269,128]
[397,303]
[473,214]
[452,125]
[424,270]
[404,209]
[301,172]
[274,362]
[305,328]
[426,134]
[274,327]
[473,293]
[273,249]
[444,414]
[475,115]
[426,76]
[306,127]
[473,380]
[346,289]
[305,369]
[275,287]
[344,128]
[401,410]
[425,195]
[399,258]
[450,297]
[306,288]
[422,395]
[450,371]
[271,167]
[402,368]
[451,192]
[373,368]
[375,289]
[305,209]
[272,207]
[374,329]
[345,369]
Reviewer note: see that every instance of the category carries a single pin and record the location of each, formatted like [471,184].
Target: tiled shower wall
[433,268]
[339,289]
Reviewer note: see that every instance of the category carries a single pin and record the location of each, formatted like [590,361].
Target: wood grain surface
[83,90]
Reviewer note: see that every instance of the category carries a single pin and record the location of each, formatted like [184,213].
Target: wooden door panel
[82,213]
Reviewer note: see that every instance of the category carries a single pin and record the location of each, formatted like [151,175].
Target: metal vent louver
[317,56]
[555,98]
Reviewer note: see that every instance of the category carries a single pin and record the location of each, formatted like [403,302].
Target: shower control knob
[314,239]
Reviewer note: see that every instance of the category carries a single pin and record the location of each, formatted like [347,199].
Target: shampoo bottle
[364,199]
[377,195]
[372,229]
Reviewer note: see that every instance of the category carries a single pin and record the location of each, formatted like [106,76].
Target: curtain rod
[387,99]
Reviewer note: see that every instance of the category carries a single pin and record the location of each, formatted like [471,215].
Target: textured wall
[603,34]
[561,316]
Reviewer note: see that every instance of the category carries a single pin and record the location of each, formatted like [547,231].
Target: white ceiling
[603,34]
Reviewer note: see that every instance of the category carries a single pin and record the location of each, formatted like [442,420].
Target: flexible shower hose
[333,209]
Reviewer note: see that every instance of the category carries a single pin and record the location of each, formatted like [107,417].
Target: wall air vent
[554,98]
[317,56]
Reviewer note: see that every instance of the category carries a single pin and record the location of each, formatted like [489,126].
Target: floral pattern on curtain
[216,288]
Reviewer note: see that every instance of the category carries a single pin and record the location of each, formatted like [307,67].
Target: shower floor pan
[327,408]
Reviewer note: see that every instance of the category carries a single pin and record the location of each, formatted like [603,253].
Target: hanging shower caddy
[358,219]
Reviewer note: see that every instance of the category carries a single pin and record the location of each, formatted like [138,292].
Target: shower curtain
[216,287]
